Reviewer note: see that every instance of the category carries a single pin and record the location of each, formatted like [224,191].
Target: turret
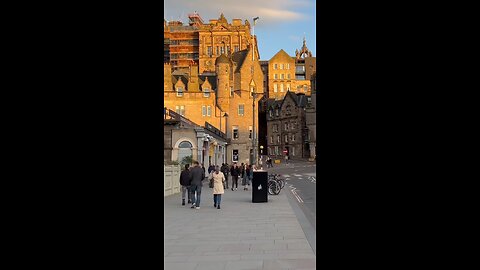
[222,65]
[193,84]
[167,77]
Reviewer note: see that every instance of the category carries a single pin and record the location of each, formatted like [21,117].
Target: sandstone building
[201,43]
[218,89]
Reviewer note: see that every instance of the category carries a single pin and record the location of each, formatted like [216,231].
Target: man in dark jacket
[225,173]
[185,183]
[197,174]
[234,172]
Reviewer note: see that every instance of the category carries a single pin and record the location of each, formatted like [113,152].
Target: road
[301,185]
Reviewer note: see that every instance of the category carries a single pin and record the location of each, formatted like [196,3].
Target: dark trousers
[217,198]
[226,181]
[234,181]
[195,199]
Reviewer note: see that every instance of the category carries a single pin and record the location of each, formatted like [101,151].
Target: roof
[212,79]
[222,59]
[239,58]
[183,78]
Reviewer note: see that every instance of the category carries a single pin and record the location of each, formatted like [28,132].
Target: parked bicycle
[275,184]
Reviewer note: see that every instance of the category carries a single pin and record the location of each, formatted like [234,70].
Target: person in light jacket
[218,179]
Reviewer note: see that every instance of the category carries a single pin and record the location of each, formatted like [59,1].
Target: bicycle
[276,178]
[273,187]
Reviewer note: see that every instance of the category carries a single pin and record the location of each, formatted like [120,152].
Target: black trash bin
[259,187]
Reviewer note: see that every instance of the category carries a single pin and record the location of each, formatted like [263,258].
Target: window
[276,112]
[252,89]
[206,92]
[271,139]
[241,109]
[282,76]
[288,67]
[228,49]
[288,87]
[288,76]
[235,132]
[236,48]
[293,125]
[209,50]
[250,132]
[286,137]
[275,76]
[288,110]
[286,126]
[293,137]
[281,87]
[309,100]
[218,50]
[222,50]
[209,110]
[179,92]
[275,88]
[231,91]
[275,66]
[275,128]
[305,88]
[271,113]
[204,110]
[235,155]
[281,66]
[293,151]
[276,150]
[278,138]
[180,110]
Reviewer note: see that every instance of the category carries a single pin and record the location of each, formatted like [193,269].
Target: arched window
[184,150]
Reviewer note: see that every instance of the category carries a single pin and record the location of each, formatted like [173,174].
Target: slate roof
[222,59]
[239,58]
[211,79]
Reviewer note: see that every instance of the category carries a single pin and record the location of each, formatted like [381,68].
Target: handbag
[210,184]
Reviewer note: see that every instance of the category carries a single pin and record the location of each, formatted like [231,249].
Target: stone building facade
[311,120]
[287,127]
[201,43]
[208,97]
[184,138]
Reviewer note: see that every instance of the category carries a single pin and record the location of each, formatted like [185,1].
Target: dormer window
[179,91]
[288,110]
[206,92]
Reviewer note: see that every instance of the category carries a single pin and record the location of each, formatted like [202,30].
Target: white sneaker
[198,207]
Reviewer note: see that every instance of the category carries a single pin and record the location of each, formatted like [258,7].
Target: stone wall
[171,178]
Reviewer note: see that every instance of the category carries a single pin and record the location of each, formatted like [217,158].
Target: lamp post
[254,93]
[224,115]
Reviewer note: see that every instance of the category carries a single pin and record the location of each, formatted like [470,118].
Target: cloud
[269,11]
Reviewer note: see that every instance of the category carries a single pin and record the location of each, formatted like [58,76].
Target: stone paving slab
[241,235]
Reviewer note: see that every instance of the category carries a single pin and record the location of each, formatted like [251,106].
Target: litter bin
[259,187]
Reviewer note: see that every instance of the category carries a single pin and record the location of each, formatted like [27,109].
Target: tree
[187,160]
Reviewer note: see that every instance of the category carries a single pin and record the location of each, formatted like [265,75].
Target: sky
[282,24]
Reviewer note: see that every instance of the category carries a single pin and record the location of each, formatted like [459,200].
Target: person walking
[218,179]
[248,176]
[204,170]
[185,183]
[225,170]
[197,175]
[244,176]
[234,172]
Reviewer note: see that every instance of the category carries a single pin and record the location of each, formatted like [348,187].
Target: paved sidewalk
[241,235]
